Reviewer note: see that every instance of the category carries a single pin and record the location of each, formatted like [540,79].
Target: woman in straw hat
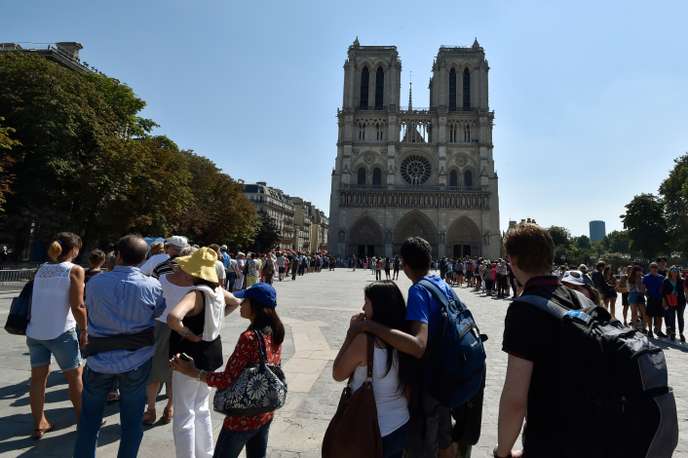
[250,432]
[196,322]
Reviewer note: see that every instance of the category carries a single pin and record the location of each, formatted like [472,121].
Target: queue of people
[139,331]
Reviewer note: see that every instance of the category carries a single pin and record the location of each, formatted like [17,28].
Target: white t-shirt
[392,406]
[221,275]
[51,313]
[152,262]
[173,294]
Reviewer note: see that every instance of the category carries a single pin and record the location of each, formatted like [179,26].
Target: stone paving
[316,310]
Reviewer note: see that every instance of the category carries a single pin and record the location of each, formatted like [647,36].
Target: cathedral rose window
[415,170]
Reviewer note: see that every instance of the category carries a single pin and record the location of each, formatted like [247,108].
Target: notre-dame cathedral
[405,171]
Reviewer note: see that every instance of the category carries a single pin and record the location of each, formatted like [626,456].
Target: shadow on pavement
[668,345]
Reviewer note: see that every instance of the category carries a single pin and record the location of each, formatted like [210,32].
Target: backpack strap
[553,308]
[440,295]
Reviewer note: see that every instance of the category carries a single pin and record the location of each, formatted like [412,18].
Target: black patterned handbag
[260,388]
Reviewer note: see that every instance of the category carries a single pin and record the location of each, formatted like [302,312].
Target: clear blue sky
[591,98]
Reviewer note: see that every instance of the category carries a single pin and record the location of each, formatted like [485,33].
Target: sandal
[149,417]
[38,433]
[166,416]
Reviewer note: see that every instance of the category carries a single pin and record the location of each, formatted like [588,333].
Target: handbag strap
[261,346]
[370,350]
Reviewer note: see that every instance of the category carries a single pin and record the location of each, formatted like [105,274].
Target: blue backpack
[455,355]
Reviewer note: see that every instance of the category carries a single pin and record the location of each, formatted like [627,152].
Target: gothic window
[453,129]
[468,179]
[361,176]
[361,131]
[466,88]
[415,170]
[467,133]
[379,88]
[364,88]
[380,132]
[377,177]
[452,90]
[453,179]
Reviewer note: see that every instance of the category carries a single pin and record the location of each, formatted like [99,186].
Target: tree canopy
[674,193]
[84,160]
[646,226]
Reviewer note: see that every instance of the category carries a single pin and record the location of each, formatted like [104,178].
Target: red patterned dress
[245,353]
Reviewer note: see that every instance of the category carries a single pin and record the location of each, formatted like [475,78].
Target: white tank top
[214,312]
[392,406]
[51,314]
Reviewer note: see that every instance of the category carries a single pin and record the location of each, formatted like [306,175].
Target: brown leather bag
[354,431]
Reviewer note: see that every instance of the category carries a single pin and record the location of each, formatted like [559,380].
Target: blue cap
[260,294]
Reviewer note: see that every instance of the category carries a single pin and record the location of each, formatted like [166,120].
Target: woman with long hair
[636,299]
[258,306]
[57,309]
[384,304]
[609,290]
[674,302]
[196,321]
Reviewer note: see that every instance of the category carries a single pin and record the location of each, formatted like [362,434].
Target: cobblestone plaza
[316,309]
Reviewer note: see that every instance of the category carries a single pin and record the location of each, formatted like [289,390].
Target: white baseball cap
[573,277]
[177,241]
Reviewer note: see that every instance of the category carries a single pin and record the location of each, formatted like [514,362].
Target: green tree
[6,161]
[219,211]
[268,234]
[74,130]
[674,192]
[646,226]
[618,242]
[560,235]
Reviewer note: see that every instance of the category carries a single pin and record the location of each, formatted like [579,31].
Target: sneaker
[683,338]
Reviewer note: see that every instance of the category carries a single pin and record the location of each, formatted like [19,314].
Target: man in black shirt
[531,339]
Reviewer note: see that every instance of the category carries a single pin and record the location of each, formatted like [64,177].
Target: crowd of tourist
[144,317]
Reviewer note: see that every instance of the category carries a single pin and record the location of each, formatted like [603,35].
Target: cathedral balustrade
[468,200]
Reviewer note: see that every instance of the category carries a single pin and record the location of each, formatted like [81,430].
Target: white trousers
[191,424]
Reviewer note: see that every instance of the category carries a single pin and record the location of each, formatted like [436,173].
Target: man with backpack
[584,384]
[431,430]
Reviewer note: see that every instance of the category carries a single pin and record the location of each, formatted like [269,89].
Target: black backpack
[455,355]
[615,399]
[20,311]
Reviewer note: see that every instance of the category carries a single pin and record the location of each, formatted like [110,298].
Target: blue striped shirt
[124,301]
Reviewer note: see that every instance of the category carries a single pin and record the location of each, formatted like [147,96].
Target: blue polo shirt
[653,285]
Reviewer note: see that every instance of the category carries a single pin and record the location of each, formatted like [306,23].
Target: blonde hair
[63,243]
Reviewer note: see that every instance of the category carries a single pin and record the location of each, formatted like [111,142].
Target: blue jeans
[132,388]
[230,443]
[393,444]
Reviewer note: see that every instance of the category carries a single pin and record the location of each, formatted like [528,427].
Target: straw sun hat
[200,264]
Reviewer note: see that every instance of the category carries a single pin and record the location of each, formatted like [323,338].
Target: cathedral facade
[406,171]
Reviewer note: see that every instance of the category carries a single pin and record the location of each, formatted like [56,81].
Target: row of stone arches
[367,238]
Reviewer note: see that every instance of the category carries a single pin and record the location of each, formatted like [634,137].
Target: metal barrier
[15,279]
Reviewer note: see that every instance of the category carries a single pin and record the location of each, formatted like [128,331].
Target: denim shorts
[64,347]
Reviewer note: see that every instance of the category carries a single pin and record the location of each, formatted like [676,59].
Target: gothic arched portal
[463,238]
[366,238]
[415,223]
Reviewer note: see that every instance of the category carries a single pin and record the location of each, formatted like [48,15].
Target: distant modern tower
[597,231]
